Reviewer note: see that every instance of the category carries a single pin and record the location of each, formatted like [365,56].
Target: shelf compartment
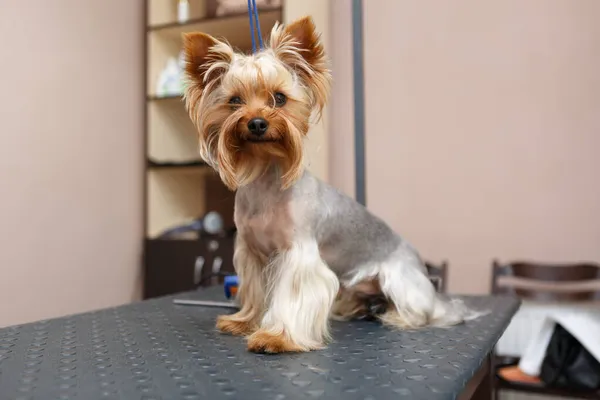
[177,196]
[174,198]
[172,137]
[207,19]
[164,12]
[167,42]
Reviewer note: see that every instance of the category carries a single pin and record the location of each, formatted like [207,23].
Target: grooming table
[158,350]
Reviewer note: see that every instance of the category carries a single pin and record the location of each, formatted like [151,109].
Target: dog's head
[253,111]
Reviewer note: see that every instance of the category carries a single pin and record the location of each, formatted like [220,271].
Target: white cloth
[583,322]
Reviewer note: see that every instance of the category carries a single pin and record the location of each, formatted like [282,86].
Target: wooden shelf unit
[179,186]
[175,174]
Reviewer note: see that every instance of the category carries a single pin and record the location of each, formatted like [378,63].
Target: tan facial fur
[293,64]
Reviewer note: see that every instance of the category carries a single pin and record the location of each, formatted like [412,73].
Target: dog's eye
[235,100]
[280,99]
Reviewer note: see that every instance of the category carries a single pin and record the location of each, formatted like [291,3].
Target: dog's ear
[299,46]
[206,59]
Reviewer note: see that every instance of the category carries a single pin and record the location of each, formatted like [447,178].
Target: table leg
[480,387]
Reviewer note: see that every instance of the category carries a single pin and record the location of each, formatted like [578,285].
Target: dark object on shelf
[568,364]
[156,349]
[210,224]
[545,282]
[188,231]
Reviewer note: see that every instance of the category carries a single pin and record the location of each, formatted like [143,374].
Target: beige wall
[71,156]
[483,129]
[341,106]
[317,143]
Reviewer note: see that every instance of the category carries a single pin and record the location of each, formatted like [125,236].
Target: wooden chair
[578,282]
[438,275]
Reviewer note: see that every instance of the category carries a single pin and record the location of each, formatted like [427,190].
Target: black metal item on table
[157,349]
[206,303]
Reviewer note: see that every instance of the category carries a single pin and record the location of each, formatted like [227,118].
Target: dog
[305,253]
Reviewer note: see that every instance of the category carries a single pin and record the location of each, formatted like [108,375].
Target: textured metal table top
[157,350]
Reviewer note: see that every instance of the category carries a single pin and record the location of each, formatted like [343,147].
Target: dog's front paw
[231,324]
[263,341]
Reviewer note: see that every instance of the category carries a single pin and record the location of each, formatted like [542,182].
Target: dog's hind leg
[363,301]
[414,301]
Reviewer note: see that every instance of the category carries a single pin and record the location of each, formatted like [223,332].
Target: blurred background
[482,133]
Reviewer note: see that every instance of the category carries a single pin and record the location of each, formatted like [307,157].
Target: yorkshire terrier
[304,252]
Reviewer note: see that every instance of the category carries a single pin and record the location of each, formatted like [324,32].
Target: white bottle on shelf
[183,11]
[169,81]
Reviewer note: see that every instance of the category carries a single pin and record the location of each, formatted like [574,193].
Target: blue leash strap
[260,40]
[251,26]
[253,12]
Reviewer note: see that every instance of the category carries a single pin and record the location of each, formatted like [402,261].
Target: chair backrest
[547,282]
[438,274]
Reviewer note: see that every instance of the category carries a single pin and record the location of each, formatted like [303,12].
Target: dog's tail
[413,301]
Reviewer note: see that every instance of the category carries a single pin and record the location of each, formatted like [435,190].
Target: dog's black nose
[257,126]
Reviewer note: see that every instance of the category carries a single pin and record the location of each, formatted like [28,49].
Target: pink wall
[341,122]
[483,129]
[71,116]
